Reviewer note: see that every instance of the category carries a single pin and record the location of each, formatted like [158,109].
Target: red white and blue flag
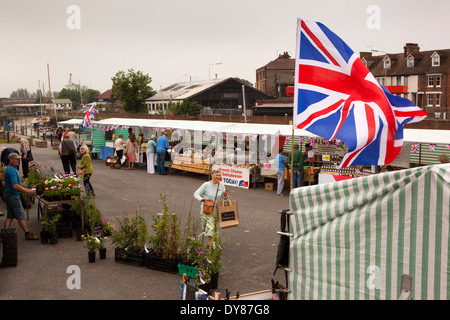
[415,147]
[89,117]
[432,147]
[336,96]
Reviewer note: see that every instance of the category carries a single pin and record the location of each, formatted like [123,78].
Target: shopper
[207,191]
[297,159]
[130,150]
[86,169]
[151,151]
[281,164]
[118,145]
[13,188]
[162,144]
[68,151]
[27,157]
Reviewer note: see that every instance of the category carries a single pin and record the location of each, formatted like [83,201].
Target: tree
[72,92]
[20,93]
[132,88]
[186,107]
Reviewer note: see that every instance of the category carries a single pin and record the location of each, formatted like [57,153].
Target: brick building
[420,76]
[274,77]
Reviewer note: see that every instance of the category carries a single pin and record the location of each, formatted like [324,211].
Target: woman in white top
[118,145]
[207,191]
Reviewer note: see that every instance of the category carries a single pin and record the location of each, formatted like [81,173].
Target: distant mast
[51,100]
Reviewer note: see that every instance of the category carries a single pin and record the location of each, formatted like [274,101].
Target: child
[86,169]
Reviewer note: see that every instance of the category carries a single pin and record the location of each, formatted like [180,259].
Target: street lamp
[384,67]
[209,69]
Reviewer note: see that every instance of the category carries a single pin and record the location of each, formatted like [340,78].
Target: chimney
[411,48]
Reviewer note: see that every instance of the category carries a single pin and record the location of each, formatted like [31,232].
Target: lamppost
[384,67]
[209,69]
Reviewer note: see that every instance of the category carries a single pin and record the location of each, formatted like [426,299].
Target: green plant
[91,242]
[131,233]
[208,261]
[49,224]
[91,213]
[165,240]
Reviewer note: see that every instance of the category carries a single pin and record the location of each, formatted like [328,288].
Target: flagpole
[292,154]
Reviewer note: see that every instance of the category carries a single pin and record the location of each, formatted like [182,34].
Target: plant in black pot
[129,239]
[49,228]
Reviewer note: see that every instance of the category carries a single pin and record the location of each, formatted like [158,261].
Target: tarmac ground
[44,271]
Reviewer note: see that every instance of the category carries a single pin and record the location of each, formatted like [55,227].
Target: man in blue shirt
[162,144]
[13,188]
[281,164]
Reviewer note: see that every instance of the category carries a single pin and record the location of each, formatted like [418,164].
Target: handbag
[208,205]
[228,213]
[29,156]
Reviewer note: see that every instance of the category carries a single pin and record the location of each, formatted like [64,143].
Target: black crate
[136,259]
[64,230]
[9,246]
[157,263]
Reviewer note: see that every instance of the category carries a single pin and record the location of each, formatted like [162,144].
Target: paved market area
[42,270]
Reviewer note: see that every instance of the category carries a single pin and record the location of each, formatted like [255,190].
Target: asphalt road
[42,270]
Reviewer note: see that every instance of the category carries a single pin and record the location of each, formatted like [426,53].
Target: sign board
[234,176]
[9,125]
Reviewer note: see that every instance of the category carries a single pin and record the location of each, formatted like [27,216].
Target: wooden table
[44,205]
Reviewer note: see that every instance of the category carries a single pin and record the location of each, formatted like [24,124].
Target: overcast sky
[173,40]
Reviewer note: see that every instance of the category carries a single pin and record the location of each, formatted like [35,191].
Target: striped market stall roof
[354,239]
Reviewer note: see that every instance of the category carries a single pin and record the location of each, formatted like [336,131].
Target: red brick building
[420,76]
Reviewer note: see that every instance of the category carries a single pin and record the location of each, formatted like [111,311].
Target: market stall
[355,239]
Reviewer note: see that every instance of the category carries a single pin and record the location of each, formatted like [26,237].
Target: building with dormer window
[420,76]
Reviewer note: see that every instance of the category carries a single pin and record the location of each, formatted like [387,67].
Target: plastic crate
[9,246]
[190,271]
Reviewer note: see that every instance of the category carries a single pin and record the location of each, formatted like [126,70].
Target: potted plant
[100,235]
[129,239]
[165,242]
[208,262]
[49,225]
[92,243]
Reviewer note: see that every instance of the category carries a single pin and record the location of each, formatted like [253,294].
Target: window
[438,80]
[405,80]
[410,62]
[431,81]
[437,115]
[399,80]
[387,63]
[430,100]
[435,60]
[438,100]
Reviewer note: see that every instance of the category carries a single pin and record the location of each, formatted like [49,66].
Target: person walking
[86,169]
[130,151]
[162,144]
[118,145]
[27,157]
[208,191]
[151,151]
[13,189]
[68,151]
[281,164]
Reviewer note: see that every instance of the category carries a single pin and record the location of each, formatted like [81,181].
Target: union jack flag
[312,142]
[336,96]
[301,139]
[432,147]
[89,117]
[415,146]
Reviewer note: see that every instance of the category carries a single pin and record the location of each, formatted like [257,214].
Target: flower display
[60,187]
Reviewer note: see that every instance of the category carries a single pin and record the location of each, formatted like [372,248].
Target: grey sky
[173,38]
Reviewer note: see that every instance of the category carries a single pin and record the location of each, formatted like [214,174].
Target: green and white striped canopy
[354,239]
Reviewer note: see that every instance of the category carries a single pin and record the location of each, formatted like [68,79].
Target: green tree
[191,108]
[72,92]
[132,88]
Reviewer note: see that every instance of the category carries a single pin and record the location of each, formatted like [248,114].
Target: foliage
[132,88]
[91,213]
[91,242]
[72,92]
[186,107]
[131,233]
[63,186]
[100,236]
[208,261]
[49,224]
[165,242]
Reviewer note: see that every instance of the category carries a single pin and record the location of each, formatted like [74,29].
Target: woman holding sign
[209,194]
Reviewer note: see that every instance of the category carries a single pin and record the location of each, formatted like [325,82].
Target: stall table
[45,206]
